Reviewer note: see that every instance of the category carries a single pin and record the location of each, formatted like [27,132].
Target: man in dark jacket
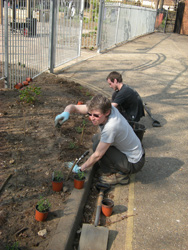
[125,99]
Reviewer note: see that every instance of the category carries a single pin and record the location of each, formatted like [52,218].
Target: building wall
[184,26]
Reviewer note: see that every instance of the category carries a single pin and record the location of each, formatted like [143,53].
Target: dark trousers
[114,161]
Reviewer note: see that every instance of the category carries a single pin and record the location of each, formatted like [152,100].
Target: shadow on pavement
[158,169]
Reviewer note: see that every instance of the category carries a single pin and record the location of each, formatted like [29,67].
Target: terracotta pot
[40,216]
[18,85]
[29,79]
[80,103]
[57,186]
[79,184]
[25,83]
[107,207]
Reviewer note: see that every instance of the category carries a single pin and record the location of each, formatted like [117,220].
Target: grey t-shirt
[120,134]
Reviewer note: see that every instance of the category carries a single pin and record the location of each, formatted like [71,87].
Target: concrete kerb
[68,224]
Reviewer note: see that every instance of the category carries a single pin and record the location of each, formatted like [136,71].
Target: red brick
[184,25]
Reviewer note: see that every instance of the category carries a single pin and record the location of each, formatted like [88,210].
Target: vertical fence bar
[52,43]
[1,42]
[81,26]
[7,84]
[100,23]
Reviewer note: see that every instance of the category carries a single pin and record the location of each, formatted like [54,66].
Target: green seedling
[78,130]
[29,94]
[15,246]
[43,205]
[80,175]
[88,93]
[57,176]
[84,123]
[72,145]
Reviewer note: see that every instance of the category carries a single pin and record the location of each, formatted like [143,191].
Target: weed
[72,145]
[84,122]
[29,94]
[43,205]
[78,130]
[15,246]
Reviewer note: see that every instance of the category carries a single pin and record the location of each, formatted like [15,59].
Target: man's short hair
[115,75]
[99,102]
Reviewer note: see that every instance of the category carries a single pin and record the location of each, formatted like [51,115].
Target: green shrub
[29,94]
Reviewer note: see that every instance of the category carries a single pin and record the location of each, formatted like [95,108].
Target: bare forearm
[71,108]
[90,162]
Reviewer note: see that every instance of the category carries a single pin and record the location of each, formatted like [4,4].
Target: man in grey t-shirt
[117,149]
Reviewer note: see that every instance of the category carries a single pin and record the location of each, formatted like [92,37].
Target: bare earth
[31,148]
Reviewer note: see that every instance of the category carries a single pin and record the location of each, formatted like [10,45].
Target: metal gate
[38,35]
[66,32]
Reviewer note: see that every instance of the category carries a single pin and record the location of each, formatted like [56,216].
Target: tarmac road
[155,65]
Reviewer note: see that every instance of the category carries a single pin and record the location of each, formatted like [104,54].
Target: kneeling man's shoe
[116,178]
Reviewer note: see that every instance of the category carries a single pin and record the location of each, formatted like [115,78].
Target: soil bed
[31,149]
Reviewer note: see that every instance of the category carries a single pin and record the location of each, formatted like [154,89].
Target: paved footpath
[155,65]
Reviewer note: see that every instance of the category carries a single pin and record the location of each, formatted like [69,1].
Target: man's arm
[96,156]
[61,118]
[81,109]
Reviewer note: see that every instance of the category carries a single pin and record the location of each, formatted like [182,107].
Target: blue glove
[76,169]
[60,119]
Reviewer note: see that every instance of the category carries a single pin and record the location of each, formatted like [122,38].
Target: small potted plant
[42,209]
[79,180]
[57,181]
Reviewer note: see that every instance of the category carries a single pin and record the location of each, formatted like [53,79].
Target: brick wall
[184,25]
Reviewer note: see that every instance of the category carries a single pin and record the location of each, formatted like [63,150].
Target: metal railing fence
[125,22]
[46,34]
[161,20]
[38,35]
[90,23]
[26,40]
